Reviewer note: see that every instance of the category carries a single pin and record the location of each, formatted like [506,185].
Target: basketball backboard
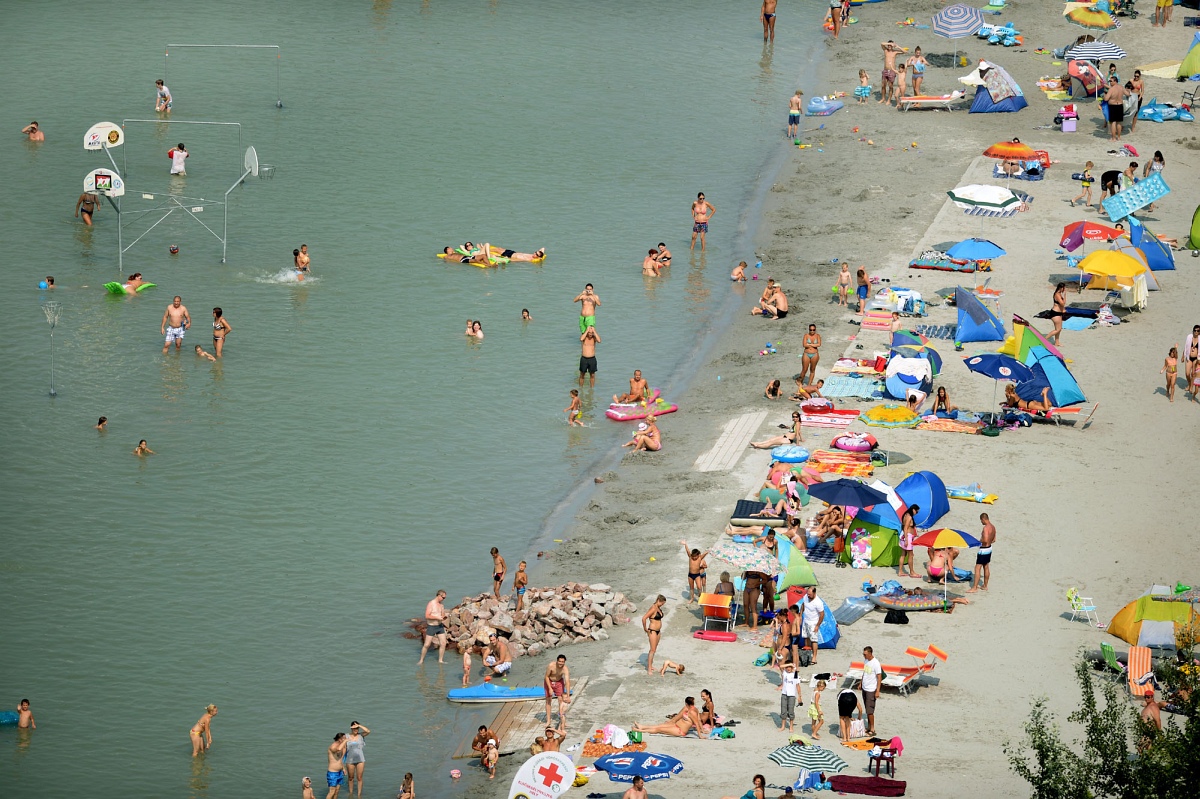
[103,134]
[252,161]
[104,181]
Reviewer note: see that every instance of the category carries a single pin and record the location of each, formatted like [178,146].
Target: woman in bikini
[1045,404]
[652,624]
[646,440]
[754,582]
[759,791]
[793,436]
[1171,370]
[843,285]
[679,725]
[916,64]
[941,402]
[201,731]
[811,355]
[697,573]
[1058,311]
[708,710]
[221,329]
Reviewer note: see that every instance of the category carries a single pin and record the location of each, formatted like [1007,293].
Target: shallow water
[352,452]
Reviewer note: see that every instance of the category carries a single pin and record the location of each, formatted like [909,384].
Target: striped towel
[821,553]
[849,464]
[836,420]
[947,332]
[998,213]
[877,320]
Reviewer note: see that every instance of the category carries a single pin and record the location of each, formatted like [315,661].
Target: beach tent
[975,322]
[1024,336]
[1191,62]
[1148,622]
[996,90]
[1086,76]
[871,543]
[905,374]
[1048,370]
[928,491]
[799,571]
[1127,246]
[1158,255]
[1193,242]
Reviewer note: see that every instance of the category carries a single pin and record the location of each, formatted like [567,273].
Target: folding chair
[1082,606]
[1110,658]
[719,610]
[1140,665]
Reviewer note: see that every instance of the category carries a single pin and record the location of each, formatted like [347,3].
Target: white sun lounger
[944,101]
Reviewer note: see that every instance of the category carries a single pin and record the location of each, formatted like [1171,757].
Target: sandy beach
[1095,508]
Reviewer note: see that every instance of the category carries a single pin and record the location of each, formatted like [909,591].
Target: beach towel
[821,553]
[851,366]
[835,418]
[941,266]
[868,786]
[944,332]
[849,464]
[852,386]
[949,426]
[877,320]
[1078,323]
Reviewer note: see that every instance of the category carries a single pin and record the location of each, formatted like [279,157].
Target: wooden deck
[517,724]
[732,443]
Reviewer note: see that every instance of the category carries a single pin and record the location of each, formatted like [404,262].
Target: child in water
[200,352]
[738,275]
[1171,370]
[465,650]
[574,411]
[863,90]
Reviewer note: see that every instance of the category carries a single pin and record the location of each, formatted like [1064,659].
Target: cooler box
[1068,126]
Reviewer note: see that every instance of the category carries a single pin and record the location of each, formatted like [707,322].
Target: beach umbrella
[1111,264]
[1095,51]
[624,766]
[1090,18]
[890,416]
[845,491]
[906,338]
[816,759]
[1076,233]
[999,367]
[980,195]
[747,557]
[956,22]
[976,249]
[1013,150]
[922,351]
[942,539]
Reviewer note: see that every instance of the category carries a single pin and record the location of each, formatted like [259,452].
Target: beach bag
[634,736]
[858,728]
[839,545]
[805,658]
[895,616]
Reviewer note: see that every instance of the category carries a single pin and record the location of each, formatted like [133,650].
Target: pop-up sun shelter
[1193,242]
[1158,255]
[1191,62]
[908,374]
[975,321]
[996,92]
[1049,370]
[1148,622]
[928,491]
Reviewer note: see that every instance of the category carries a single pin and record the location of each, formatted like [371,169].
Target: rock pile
[551,617]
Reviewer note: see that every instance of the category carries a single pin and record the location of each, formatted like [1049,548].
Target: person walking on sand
[587,310]
[499,569]
[175,322]
[816,716]
[887,92]
[1171,370]
[908,534]
[639,390]
[652,625]
[86,206]
[435,626]
[1057,312]
[335,774]
[864,289]
[520,581]
[983,560]
[811,355]
[557,684]
[872,681]
[587,355]
[813,610]
[835,17]
[201,731]
[1085,186]
[795,111]
[767,15]
[702,214]
[697,573]
[356,760]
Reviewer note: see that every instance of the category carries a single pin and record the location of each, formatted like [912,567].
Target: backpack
[805,658]
[895,616]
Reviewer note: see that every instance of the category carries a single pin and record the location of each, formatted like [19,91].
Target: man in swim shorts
[587,357]
[175,323]
[795,109]
[587,310]
[890,49]
[983,560]
[499,659]
[435,626]
[702,212]
[335,775]
[557,683]
[639,389]
[767,15]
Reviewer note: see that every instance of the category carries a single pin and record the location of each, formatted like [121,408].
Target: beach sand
[1093,508]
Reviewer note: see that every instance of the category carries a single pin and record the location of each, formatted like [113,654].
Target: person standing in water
[300,265]
[178,155]
[587,310]
[34,132]
[175,322]
[356,761]
[435,626]
[25,716]
[163,100]
[767,15]
[587,356]
[201,732]
[702,212]
[335,774]
[795,110]
[221,328]
[86,206]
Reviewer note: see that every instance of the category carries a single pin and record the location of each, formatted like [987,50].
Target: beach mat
[835,418]
[821,553]
[877,320]
[742,515]
[1078,323]
[849,464]
[941,266]
[852,609]
[944,332]
[1161,69]
[852,386]
[868,786]
[949,426]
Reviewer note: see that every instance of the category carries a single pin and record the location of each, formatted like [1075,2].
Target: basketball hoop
[52,310]
[266,171]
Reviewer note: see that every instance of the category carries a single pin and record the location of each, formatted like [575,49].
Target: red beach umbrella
[1077,233]
[1013,150]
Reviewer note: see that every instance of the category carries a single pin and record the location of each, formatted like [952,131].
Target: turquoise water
[352,452]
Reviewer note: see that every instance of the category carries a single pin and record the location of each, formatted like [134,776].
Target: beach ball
[174,248]
[43,284]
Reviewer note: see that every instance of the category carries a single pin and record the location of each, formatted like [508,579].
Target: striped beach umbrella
[746,557]
[980,195]
[1096,51]
[957,21]
[814,758]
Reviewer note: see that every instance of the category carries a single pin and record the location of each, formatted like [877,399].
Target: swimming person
[477,329]
[587,357]
[175,322]
[702,213]
[86,206]
[33,132]
[201,731]
[163,98]
[587,310]
[142,449]
[201,353]
[525,317]
[356,760]
[133,283]
[221,328]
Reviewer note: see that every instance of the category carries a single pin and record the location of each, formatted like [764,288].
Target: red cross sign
[550,775]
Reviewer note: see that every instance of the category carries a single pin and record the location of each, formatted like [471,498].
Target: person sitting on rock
[496,656]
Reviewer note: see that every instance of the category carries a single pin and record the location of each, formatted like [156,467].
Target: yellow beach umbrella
[1090,19]
[1112,264]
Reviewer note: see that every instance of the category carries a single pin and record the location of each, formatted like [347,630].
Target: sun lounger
[743,515]
[944,101]
[899,677]
[1139,666]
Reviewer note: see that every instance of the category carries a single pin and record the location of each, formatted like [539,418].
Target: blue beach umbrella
[844,491]
[624,766]
[976,249]
[999,367]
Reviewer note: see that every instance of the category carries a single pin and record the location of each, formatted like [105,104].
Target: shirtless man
[983,560]
[587,310]
[587,356]
[303,259]
[774,308]
[702,212]
[435,626]
[639,389]
[553,740]
[890,49]
[650,265]
[664,255]
[34,132]
[25,716]
[334,775]
[501,252]
[479,742]
[499,658]
[637,790]
[767,15]
[499,569]
[175,323]
[86,206]
[795,111]
[557,683]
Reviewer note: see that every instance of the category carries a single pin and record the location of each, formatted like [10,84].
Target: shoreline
[652,501]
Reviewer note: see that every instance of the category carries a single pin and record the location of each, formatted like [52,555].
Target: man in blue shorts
[335,776]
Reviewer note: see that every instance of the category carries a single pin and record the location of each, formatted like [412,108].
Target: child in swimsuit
[863,90]
[1085,184]
[814,711]
[1171,369]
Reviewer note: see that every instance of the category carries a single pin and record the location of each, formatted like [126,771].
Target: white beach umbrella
[1096,51]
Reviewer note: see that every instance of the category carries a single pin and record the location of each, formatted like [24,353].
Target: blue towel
[1077,323]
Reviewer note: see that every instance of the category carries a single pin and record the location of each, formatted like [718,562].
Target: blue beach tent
[928,491]
[975,322]
[1158,255]
[1049,370]
[999,92]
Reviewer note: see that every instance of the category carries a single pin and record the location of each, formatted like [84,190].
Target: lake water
[352,452]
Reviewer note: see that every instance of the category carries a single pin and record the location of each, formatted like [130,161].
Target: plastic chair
[718,609]
[1110,658]
[887,757]
[1082,605]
